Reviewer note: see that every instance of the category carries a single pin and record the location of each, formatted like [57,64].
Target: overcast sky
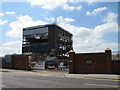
[94,25]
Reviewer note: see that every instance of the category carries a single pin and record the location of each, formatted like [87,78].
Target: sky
[94,25]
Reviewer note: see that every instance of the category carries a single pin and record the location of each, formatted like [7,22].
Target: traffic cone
[55,68]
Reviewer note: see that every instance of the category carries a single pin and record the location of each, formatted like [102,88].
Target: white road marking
[30,78]
[2,85]
[60,76]
[101,85]
[49,75]
[43,75]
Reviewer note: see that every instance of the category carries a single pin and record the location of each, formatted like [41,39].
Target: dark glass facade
[46,39]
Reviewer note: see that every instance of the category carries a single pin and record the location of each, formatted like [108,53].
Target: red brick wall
[97,60]
[101,62]
[71,62]
[116,67]
[17,62]
[21,62]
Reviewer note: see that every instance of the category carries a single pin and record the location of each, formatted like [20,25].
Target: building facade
[47,39]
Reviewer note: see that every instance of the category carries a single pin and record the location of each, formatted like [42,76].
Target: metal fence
[115,55]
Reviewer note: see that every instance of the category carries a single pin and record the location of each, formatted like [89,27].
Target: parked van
[51,62]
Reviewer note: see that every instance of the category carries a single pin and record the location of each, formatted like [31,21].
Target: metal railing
[115,55]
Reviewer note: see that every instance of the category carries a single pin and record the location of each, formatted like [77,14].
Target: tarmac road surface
[38,80]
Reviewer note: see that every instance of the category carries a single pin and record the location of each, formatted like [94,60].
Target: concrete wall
[92,63]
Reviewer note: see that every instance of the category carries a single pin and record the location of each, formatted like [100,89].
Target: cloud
[111,17]
[47,4]
[67,7]
[50,19]
[84,39]
[90,2]
[52,4]
[1,14]
[3,22]
[21,22]
[11,47]
[107,28]
[79,7]
[60,19]
[96,11]
[11,13]
[87,40]
[69,20]
[88,13]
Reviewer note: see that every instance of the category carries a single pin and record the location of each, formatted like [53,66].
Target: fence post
[71,61]
[108,60]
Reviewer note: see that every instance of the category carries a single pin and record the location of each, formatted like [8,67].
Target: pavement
[59,73]
[96,76]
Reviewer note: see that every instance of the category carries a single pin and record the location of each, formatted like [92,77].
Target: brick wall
[17,62]
[92,63]
[21,62]
[116,67]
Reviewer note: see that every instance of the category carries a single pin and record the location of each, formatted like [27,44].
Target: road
[37,80]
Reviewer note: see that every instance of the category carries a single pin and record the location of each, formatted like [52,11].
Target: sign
[89,61]
[29,58]
[40,65]
[61,63]
[70,61]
